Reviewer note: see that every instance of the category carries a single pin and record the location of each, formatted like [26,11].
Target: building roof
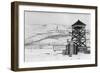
[79,23]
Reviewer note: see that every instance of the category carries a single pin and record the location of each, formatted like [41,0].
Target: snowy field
[32,55]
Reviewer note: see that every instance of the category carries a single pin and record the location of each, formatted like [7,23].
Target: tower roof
[79,23]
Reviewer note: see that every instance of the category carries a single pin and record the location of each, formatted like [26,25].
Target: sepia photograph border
[15,34]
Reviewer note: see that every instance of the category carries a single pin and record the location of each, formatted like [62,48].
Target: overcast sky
[36,22]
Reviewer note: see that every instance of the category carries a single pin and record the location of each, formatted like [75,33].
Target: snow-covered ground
[32,55]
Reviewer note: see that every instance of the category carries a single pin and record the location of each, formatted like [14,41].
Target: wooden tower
[79,37]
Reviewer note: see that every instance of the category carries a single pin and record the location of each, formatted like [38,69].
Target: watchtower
[79,37]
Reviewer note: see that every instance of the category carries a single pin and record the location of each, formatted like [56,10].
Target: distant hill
[49,35]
